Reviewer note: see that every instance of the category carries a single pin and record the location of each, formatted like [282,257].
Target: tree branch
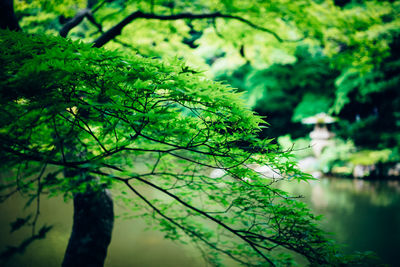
[75,21]
[98,6]
[184,229]
[200,212]
[116,30]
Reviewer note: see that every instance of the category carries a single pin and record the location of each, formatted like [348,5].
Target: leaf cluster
[70,112]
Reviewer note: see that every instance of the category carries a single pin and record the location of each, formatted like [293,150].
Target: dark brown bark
[91,231]
[8,20]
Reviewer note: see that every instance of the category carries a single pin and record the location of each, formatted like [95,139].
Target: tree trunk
[91,231]
[8,20]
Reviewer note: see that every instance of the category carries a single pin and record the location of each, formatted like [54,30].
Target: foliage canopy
[67,106]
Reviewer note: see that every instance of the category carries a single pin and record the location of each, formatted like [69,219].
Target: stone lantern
[321,137]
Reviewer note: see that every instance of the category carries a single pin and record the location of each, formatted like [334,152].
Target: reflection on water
[364,215]
[131,245]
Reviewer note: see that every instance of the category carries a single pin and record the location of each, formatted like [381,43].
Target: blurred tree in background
[288,93]
[352,72]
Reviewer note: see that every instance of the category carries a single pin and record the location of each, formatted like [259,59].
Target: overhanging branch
[75,21]
[116,30]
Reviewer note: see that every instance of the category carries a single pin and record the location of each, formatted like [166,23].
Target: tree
[241,28]
[90,113]
[352,84]
[77,120]
[287,93]
[369,103]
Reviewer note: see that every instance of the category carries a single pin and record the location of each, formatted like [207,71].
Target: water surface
[364,215]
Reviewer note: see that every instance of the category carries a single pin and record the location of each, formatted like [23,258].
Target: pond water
[363,214]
